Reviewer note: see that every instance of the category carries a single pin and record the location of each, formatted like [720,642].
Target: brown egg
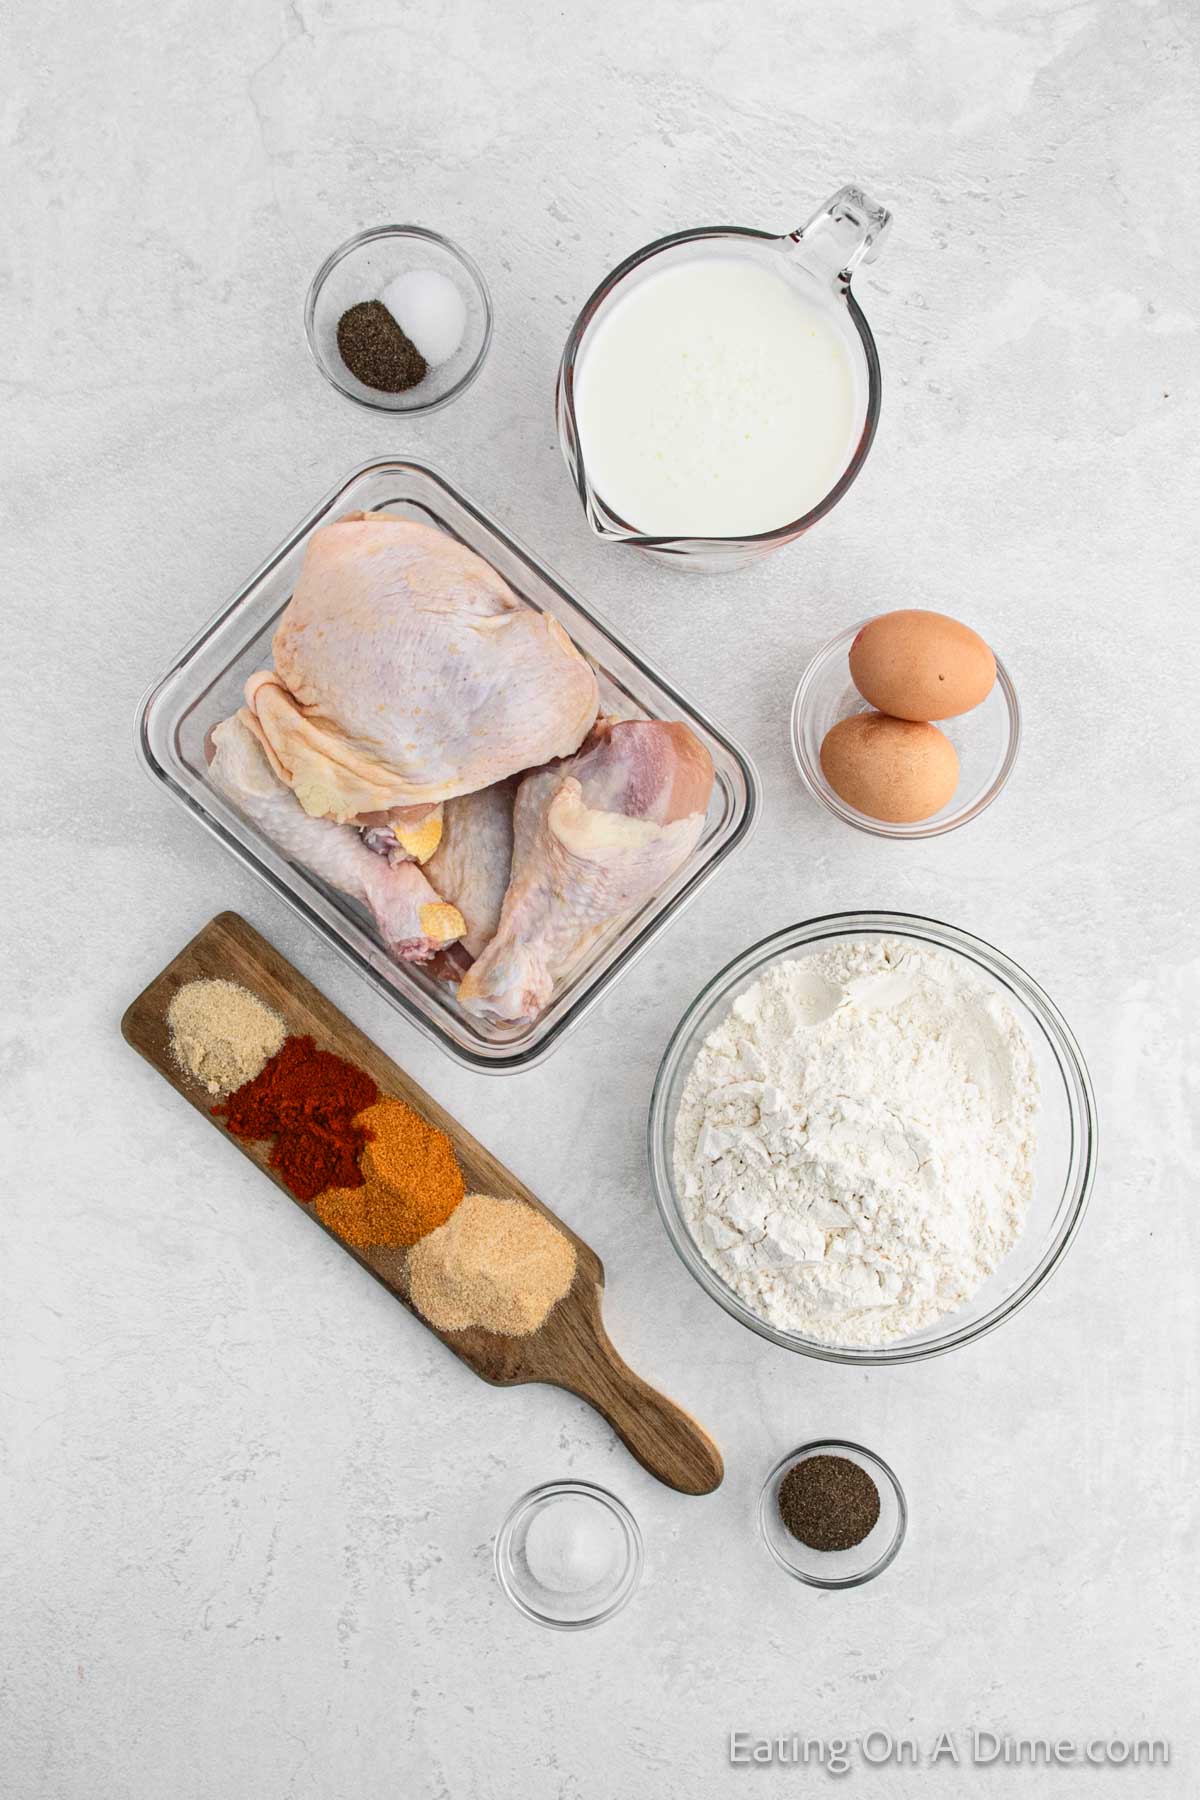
[898,770]
[921,665]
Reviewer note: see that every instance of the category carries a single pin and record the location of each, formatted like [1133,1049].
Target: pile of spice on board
[379,1176]
[498,1264]
[222,1035]
[307,1101]
[410,1181]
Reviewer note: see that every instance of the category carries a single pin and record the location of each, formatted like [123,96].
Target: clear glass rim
[835,1447]
[818,787]
[589,1490]
[1081,1105]
[782,534]
[355,243]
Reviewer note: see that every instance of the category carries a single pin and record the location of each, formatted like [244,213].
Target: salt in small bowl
[568,1611]
[359,270]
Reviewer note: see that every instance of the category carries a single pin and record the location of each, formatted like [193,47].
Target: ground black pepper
[376,351]
[828,1502]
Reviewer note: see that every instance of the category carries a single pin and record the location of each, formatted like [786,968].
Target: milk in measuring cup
[717,398]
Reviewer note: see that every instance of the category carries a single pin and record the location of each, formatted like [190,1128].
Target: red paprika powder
[306,1099]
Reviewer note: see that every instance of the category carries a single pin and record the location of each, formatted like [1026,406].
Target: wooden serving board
[572,1349]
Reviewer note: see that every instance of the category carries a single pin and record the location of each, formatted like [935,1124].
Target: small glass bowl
[835,1568]
[360,269]
[986,739]
[567,1612]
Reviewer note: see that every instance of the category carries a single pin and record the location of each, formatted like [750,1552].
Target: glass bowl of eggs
[906,725]
[399,319]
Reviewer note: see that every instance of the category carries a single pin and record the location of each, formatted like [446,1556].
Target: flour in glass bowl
[854,1143]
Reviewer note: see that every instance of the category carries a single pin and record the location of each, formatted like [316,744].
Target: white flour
[854,1143]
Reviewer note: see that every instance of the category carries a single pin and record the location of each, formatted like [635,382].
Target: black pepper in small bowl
[376,351]
[832,1514]
[377,354]
[829,1502]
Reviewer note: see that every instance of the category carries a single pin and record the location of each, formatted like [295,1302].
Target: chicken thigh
[407,671]
[414,922]
[593,838]
[472,864]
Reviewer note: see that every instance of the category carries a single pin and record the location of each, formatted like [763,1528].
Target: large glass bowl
[1064,1162]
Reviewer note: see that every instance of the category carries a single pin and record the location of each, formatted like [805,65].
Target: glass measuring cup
[819,259]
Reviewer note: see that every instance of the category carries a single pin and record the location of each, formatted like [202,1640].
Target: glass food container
[204,685]
[1064,1162]
[819,259]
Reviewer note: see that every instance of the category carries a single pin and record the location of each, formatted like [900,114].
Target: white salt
[571,1545]
[429,310]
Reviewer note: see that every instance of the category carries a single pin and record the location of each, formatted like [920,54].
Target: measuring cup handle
[849,229]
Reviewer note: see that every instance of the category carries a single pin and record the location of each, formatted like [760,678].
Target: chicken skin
[407,671]
[472,864]
[592,838]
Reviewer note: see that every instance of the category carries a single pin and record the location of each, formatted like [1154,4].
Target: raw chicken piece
[593,838]
[472,864]
[413,920]
[407,671]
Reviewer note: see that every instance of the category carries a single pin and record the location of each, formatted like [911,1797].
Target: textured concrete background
[249,1502]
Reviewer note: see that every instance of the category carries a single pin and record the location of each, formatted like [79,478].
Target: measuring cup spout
[849,229]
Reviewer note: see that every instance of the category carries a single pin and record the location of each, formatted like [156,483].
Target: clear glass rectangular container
[204,685]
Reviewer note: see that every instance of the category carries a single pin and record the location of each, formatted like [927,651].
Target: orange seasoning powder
[411,1181]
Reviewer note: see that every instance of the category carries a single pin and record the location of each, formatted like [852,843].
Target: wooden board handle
[667,1441]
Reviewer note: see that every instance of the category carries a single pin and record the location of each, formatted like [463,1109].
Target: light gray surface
[250,1503]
